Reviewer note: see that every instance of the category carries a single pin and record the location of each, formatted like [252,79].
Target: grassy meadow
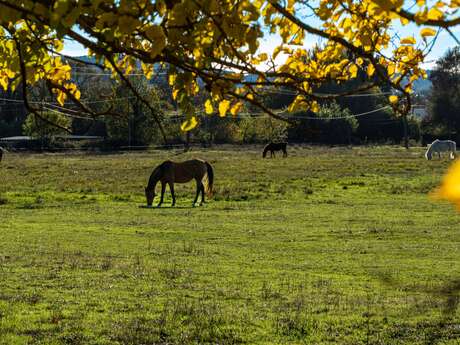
[327,246]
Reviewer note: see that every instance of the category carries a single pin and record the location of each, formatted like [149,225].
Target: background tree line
[134,123]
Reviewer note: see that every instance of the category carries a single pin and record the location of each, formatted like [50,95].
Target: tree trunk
[406,131]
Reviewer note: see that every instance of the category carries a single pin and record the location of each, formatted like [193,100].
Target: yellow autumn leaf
[435,14]
[450,186]
[298,102]
[77,94]
[127,24]
[393,99]
[391,70]
[408,40]
[9,73]
[370,70]
[147,69]
[223,107]
[61,98]
[58,45]
[404,21]
[425,32]
[189,124]
[175,93]
[4,82]
[236,108]
[314,107]
[154,32]
[353,71]
[209,109]
[172,79]
[276,51]
[263,57]
[389,4]
[156,35]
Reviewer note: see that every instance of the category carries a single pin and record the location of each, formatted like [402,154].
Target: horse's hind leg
[202,193]
[284,153]
[198,189]
[171,188]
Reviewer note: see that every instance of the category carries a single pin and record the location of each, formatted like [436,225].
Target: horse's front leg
[163,188]
[171,188]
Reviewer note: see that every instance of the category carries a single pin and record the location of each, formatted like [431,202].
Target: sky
[443,43]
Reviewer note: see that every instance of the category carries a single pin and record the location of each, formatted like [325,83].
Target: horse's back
[276,146]
[443,144]
[191,163]
[187,170]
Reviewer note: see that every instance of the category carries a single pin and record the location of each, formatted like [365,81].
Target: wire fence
[169,115]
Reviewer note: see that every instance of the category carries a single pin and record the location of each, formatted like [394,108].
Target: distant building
[419,111]
[24,141]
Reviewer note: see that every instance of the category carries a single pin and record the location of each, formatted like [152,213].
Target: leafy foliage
[331,124]
[214,44]
[445,95]
[48,124]
[136,125]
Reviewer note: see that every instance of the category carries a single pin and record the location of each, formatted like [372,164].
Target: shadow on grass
[445,298]
[169,207]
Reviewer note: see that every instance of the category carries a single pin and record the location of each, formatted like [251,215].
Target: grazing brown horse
[272,147]
[169,172]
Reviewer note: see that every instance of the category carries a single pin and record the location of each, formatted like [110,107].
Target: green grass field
[330,245]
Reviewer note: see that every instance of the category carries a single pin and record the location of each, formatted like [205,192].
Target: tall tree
[445,96]
[135,124]
[202,41]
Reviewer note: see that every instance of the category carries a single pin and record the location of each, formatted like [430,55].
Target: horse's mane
[155,175]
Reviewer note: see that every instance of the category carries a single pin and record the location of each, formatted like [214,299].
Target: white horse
[441,146]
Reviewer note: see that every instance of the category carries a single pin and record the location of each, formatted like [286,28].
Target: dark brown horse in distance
[272,147]
[169,172]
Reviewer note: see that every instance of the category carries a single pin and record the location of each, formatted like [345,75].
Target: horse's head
[428,154]
[150,195]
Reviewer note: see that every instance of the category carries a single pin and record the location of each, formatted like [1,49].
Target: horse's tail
[209,180]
